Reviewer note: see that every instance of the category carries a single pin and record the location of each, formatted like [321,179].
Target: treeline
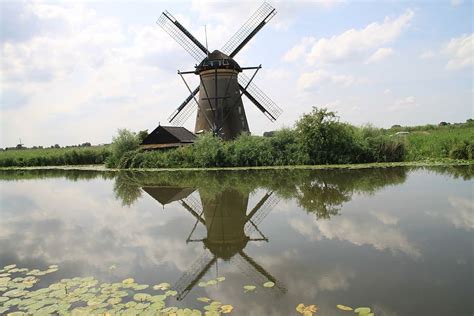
[318,138]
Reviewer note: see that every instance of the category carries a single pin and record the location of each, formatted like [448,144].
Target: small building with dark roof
[168,137]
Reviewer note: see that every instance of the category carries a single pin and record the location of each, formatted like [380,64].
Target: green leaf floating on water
[171,293]
[343,307]
[249,288]
[362,311]
[128,281]
[220,279]
[211,282]
[204,299]
[162,286]
[269,284]
[141,297]
[9,267]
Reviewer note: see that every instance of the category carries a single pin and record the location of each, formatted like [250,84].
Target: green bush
[325,140]
[462,150]
[124,142]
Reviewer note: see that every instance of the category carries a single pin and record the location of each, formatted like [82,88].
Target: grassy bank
[454,142]
[319,138]
[54,156]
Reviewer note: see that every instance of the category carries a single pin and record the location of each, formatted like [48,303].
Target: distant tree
[443,124]
[268,134]
[86,144]
[57,146]
[396,126]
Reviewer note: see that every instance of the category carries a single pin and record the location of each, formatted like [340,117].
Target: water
[397,240]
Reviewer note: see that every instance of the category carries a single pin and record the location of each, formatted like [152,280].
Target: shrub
[124,142]
[325,140]
[462,150]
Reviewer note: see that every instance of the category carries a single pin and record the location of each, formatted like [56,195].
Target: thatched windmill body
[222,81]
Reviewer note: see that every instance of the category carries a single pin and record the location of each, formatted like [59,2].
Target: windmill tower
[222,80]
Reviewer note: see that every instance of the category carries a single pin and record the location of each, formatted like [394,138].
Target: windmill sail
[182,36]
[258,20]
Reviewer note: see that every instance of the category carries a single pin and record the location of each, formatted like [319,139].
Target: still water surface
[398,240]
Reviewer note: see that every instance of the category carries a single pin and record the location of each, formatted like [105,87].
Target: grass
[54,156]
[438,143]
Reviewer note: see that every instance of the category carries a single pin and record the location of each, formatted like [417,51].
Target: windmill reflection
[229,228]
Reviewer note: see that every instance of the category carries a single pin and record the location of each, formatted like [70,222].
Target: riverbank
[423,163]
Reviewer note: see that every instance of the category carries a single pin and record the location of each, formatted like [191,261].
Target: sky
[75,72]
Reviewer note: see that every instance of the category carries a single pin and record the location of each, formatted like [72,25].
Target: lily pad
[128,281]
[226,309]
[171,293]
[249,288]
[9,267]
[140,287]
[269,284]
[211,282]
[204,299]
[162,286]
[220,279]
[343,307]
[141,297]
[202,284]
[362,310]
[114,300]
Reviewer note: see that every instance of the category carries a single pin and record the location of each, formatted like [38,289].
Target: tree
[326,140]
[142,135]
[124,142]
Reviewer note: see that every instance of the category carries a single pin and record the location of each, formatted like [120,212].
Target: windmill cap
[218,59]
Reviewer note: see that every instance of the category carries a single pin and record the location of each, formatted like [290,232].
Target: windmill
[228,226]
[222,81]
[228,231]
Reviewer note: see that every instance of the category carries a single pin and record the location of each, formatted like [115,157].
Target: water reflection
[321,192]
[228,226]
[376,237]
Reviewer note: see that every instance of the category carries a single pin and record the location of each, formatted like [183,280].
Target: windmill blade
[185,110]
[256,272]
[249,29]
[195,273]
[260,99]
[260,211]
[182,36]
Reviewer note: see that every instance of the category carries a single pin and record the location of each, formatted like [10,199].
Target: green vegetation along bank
[318,138]
[54,156]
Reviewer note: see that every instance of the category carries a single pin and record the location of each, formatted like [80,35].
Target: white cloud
[406,103]
[463,213]
[456,3]
[460,51]
[372,230]
[299,50]
[355,42]
[379,55]
[311,80]
[427,54]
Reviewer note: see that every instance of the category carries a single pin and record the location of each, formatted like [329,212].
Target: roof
[169,135]
[218,59]
[180,133]
[168,194]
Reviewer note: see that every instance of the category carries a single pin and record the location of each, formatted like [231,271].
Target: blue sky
[73,72]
